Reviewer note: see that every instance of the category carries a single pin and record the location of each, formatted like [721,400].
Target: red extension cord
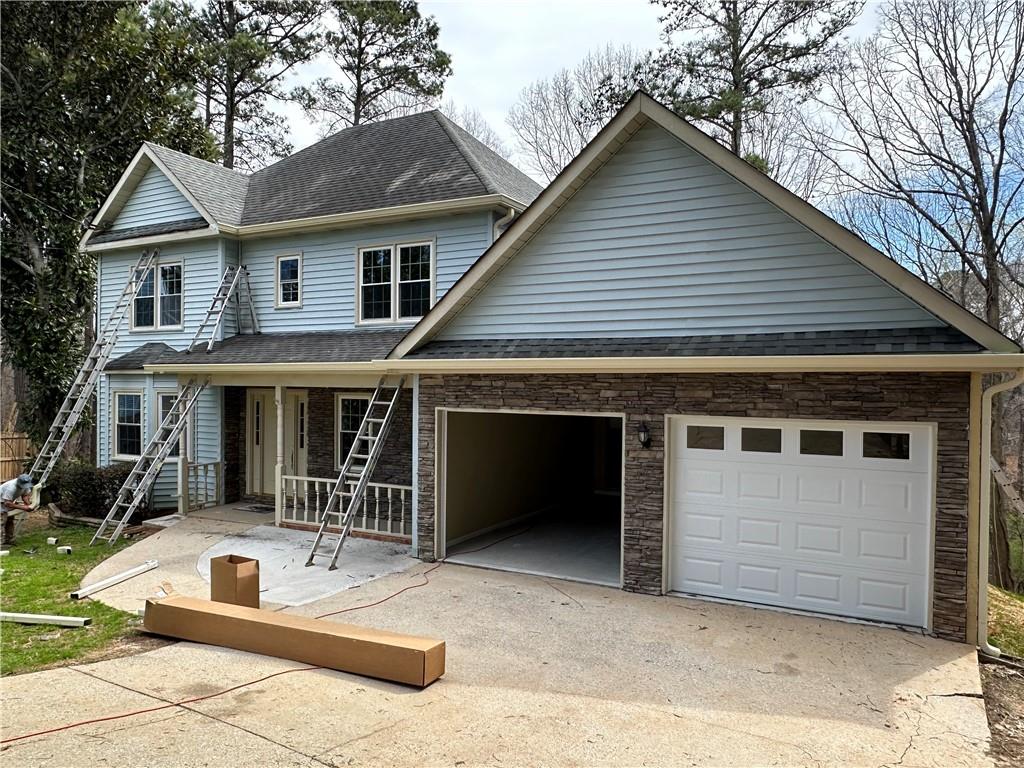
[426,580]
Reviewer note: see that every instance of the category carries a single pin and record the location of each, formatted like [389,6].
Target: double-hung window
[158,301]
[396,282]
[289,281]
[127,424]
[349,411]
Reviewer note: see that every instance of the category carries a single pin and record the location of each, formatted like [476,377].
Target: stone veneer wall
[394,466]
[939,398]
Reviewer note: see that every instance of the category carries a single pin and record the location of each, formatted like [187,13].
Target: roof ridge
[447,124]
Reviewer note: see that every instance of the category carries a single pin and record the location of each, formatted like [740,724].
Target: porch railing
[386,507]
[202,485]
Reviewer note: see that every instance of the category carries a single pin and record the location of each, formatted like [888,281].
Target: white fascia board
[136,242]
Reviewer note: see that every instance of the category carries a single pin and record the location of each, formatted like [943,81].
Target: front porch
[282,449]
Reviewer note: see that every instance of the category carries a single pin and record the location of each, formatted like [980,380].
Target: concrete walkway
[184,551]
[540,672]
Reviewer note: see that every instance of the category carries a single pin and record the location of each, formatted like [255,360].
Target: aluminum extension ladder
[77,399]
[234,282]
[362,458]
[136,487]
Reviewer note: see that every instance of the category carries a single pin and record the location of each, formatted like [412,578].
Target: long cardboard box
[346,647]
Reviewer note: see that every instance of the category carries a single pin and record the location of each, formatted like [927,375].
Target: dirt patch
[1004,702]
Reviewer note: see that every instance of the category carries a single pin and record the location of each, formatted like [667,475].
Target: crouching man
[15,499]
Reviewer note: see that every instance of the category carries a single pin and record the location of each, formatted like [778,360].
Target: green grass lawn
[41,583]
[1006,621]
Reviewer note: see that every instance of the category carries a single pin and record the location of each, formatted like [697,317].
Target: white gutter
[989,362]
[986,501]
[500,223]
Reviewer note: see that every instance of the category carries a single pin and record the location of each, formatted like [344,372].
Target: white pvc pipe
[986,501]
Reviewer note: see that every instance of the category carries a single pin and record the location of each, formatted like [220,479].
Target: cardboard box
[345,647]
[235,579]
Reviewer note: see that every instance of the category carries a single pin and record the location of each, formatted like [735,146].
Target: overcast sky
[499,48]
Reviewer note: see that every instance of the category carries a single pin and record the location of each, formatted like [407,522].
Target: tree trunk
[1000,572]
[229,127]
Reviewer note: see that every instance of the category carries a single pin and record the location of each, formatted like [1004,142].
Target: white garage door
[825,516]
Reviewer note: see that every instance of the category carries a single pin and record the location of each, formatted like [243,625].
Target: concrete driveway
[540,672]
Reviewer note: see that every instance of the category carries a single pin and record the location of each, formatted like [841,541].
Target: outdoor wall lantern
[644,436]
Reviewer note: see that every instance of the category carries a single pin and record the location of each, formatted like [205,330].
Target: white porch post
[279,466]
[184,457]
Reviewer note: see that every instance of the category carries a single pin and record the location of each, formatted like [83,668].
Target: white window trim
[278,304]
[133,328]
[338,397]
[394,246]
[114,455]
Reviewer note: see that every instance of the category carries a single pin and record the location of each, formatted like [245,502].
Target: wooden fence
[15,450]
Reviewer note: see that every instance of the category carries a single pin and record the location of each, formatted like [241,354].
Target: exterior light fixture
[644,436]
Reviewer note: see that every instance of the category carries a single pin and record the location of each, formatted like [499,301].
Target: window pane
[376,302]
[761,440]
[170,310]
[413,299]
[290,293]
[821,442]
[886,445]
[144,303]
[706,438]
[129,409]
[414,262]
[144,312]
[288,269]
[377,266]
[352,411]
[170,294]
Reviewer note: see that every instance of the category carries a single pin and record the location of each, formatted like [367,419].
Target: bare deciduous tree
[554,118]
[925,146]
[473,122]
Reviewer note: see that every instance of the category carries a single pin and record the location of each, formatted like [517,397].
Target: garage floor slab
[559,549]
[539,672]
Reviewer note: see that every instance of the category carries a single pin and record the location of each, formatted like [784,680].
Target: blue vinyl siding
[329,264]
[201,273]
[154,201]
[660,242]
[206,433]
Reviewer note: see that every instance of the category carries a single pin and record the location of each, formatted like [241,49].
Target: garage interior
[535,493]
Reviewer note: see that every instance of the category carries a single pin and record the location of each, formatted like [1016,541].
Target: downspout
[500,224]
[985,511]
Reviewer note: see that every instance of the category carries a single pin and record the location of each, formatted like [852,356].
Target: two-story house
[664,372]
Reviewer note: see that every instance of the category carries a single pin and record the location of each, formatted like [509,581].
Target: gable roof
[420,160]
[415,159]
[221,190]
[640,110]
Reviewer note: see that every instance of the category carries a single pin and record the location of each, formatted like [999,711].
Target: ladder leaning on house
[77,399]
[372,434]
[234,282]
[146,470]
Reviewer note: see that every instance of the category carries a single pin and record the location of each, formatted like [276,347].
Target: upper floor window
[158,302]
[289,281]
[396,282]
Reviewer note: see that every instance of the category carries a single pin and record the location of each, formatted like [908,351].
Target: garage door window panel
[887,445]
[760,440]
[705,438]
[821,442]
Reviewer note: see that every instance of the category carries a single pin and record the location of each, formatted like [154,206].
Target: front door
[261,440]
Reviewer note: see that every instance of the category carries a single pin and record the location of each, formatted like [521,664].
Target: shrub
[82,490]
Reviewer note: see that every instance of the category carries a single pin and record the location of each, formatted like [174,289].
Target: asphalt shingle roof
[415,159]
[221,191]
[352,346]
[164,228]
[140,356]
[867,342]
